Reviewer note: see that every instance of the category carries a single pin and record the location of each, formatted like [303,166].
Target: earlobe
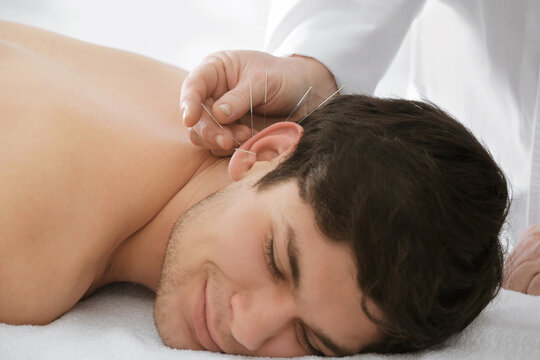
[275,141]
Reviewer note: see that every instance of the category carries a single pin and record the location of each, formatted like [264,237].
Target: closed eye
[278,275]
[304,342]
[271,259]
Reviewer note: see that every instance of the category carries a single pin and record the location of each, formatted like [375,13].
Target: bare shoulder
[114,71]
[36,285]
[91,148]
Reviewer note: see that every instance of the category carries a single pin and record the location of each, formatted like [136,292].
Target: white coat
[478,59]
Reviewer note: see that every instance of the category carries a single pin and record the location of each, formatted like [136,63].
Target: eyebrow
[293,254]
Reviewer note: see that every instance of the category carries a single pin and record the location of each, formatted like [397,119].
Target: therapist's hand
[221,82]
[522,269]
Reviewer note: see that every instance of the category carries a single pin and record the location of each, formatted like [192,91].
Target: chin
[175,333]
[171,311]
[181,311]
[177,340]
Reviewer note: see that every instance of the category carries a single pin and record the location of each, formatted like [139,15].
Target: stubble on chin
[178,272]
[168,317]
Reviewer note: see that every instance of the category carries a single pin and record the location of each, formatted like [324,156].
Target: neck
[140,257]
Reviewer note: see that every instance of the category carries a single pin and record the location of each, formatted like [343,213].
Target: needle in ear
[246,151]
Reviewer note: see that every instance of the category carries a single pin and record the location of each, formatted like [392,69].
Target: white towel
[117,323]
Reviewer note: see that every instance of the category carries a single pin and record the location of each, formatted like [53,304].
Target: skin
[222,80]
[97,168]
[248,310]
[522,269]
[277,85]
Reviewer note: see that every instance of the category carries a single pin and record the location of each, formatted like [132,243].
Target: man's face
[218,291]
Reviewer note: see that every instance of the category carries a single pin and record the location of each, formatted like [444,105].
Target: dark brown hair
[420,202]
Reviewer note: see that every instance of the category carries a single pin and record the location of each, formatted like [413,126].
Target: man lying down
[374,227]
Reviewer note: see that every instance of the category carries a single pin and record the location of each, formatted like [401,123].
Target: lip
[200,322]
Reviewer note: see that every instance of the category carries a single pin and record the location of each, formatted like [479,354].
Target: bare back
[91,148]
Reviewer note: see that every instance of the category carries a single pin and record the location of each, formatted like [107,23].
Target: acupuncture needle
[251,107]
[321,104]
[265,97]
[246,151]
[299,102]
[217,122]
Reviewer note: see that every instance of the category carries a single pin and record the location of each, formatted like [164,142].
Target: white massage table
[117,323]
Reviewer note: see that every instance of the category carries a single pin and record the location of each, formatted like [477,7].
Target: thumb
[234,104]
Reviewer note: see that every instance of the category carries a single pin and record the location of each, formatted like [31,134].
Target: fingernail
[225,109]
[184,114]
[220,141]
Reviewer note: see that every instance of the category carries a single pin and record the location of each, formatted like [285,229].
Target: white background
[183,32]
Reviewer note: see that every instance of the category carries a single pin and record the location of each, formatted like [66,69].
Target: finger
[213,135]
[242,99]
[194,137]
[528,248]
[259,122]
[512,262]
[206,80]
[211,143]
[197,140]
[222,153]
[521,277]
[534,286]
[527,240]
[241,132]
[531,231]
[204,132]
[214,149]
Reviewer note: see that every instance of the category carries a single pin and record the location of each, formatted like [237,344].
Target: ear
[270,144]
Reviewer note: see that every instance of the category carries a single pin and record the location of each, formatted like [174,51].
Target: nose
[261,315]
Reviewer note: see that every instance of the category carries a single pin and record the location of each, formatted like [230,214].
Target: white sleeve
[355,39]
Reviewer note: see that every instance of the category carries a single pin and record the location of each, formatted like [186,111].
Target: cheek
[237,246]
[286,345]
[230,237]
[240,257]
